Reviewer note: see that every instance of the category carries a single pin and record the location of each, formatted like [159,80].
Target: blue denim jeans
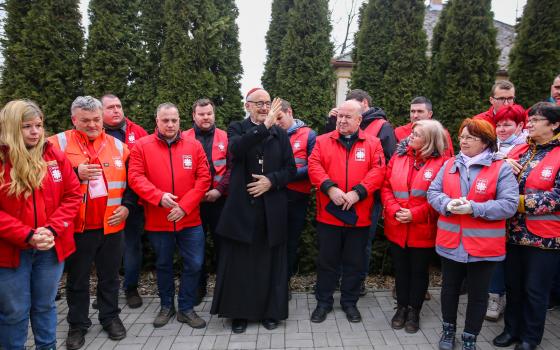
[132,258]
[498,281]
[190,242]
[28,292]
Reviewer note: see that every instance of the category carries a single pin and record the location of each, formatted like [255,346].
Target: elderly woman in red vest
[410,222]
[474,193]
[533,246]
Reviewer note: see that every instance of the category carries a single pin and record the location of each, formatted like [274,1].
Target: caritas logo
[481,185]
[187,162]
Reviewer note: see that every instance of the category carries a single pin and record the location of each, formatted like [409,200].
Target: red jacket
[404,131]
[298,140]
[180,169]
[363,165]
[488,116]
[54,206]
[133,133]
[406,187]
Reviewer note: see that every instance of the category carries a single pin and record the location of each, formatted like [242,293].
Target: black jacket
[237,220]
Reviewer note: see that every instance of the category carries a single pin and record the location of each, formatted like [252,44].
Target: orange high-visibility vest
[112,155]
[540,179]
[299,147]
[219,153]
[481,238]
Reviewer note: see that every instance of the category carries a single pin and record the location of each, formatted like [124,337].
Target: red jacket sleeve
[137,179]
[192,198]
[374,177]
[387,197]
[64,215]
[13,230]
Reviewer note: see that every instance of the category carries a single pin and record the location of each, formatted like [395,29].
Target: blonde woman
[39,198]
[410,221]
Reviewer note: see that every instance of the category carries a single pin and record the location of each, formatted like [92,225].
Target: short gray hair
[165,105]
[87,103]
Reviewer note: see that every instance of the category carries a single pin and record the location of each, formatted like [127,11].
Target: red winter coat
[488,116]
[405,186]
[363,165]
[54,206]
[133,133]
[181,169]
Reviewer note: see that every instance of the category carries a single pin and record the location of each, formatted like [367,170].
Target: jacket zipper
[34,210]
[172,180]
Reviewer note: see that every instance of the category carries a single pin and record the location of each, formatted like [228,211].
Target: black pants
[297,212]
[478,276]
[210,214]
[106,251]
[529,278]
[340,246]
[411,274]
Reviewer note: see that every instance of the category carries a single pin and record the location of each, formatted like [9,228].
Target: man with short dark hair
[215,143]
[170,174]
[302,139]
[502,94]
[125,130]
[555,91]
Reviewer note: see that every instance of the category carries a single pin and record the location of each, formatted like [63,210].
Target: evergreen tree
[111,47]
[371,46]
[200,57]
[142,96]
[406,73]
[464,61]
[305,77]
[274,36]
[535,57]
[42,49]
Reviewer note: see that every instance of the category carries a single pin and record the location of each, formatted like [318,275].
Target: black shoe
[352,313]
[133,298]
[270,324]
[412,324]
[94,304]
[504,340]
[398,320]
[238,325]
[525,346]
[76,338]
[115,329]
[363,290]
[319,314]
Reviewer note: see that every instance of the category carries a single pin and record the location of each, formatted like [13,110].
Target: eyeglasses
[261,104]
[504,99]
[534,120]
[468,138]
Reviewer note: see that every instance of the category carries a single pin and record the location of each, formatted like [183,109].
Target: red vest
[541,179]
[517,151]
[219,153]
[299,146]
[418,235]
[374,127]
[481,238]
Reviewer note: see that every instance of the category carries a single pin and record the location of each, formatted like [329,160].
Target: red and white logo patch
[546,173]
[131,137]
[221,147]
[297,145]
[187,162]
[481,185]
[360,155]
[428,174]
[118,162]
[55,172]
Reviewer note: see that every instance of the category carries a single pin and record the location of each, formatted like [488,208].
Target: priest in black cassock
[252,267]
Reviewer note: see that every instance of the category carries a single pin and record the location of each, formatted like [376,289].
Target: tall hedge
[42,49]
[535,57]
[464,61]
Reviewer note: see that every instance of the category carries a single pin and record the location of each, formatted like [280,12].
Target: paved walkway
[295,333]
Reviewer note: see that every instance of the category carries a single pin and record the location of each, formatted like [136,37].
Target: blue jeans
[28,292]
[132,259]
[190,241]
[498,281]
[375,214]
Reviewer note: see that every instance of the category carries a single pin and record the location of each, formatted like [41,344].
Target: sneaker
[447,340]
[496,306]
[469,341]
[165,314]
[191,318]
[133,298]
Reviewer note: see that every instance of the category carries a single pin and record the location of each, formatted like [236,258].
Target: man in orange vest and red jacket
[215,143]
[100,164]
[126,131]
[346,166]
[302,139]
[170,174]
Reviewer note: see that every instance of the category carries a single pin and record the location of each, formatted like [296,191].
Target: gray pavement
[374,332]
